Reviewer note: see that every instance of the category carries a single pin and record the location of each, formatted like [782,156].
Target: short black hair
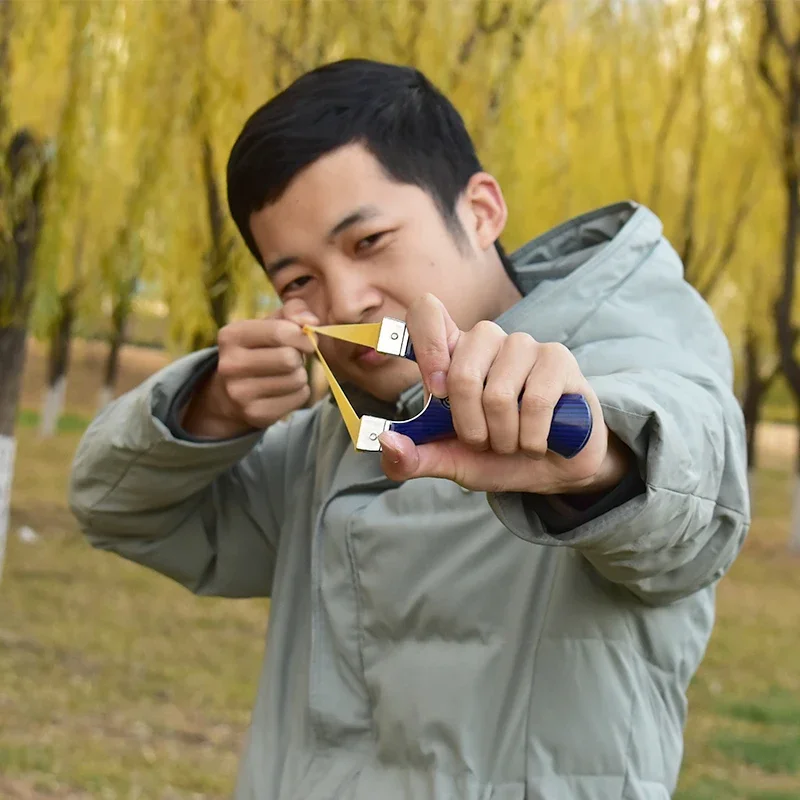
[395,112]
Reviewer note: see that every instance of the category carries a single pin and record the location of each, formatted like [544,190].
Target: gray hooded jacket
[433,643]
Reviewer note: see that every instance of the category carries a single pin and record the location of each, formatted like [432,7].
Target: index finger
[434,335]
[272,332]
[297,311]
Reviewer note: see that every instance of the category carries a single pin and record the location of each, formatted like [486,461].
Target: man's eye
[296,283]
[368,241]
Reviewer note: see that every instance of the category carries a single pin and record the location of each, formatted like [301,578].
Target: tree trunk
[774,39]
[755,389]
[12,360]
[794,521]
[12,338]
[12,363]
[794,533]
[23,195]
[111,370]
[219,281]
[787,333]
[751,402]
[58,364]
[119,320]
[61,344]
[756,386]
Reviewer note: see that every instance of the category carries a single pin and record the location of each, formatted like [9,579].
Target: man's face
[355,246]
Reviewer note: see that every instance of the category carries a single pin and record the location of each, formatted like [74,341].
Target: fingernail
[390,445]
[438,384]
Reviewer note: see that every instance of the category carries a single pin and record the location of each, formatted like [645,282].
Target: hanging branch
[218,278]
[695,160]
[755,96]
[744,206]
[5,67]
[419,8]
[316,41]
[399,46]
[304,21]
[314,49]
[672,107]
[7,256]
[620,123]
[482,27]
[283,52]
[774,29]
[404,50]
[519,36]
[764,69]
[216,274]
[710,234]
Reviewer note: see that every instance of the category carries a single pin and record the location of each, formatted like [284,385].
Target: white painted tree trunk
[794,522]
[105,396]
[53,406]
[7,451]
[751,485]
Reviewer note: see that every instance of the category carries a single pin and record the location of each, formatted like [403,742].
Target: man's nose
[352,297]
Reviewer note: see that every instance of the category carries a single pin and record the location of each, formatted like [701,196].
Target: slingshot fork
[570,428]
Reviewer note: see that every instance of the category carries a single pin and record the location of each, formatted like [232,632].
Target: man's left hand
[501,443]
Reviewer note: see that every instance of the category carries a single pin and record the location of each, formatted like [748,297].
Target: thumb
[434,335]
[399,456]
[402,460]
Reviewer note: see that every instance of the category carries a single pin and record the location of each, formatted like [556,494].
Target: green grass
[711,789]
[117,683]
[743,734]
[773,755]
[67,422]
[114,682]
[777,708]
[770,736]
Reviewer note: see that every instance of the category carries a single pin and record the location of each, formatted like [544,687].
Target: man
[468,619]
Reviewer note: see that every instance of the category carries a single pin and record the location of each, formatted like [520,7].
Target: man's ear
[485,209]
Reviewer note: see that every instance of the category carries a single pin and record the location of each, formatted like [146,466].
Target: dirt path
[87,363]
[777,444]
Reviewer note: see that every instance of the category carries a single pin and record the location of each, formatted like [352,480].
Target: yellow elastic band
[365,333]
[351,419]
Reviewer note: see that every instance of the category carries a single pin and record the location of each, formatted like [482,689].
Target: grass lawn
[116,683]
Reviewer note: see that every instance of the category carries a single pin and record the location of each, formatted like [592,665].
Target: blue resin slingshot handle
[570,428]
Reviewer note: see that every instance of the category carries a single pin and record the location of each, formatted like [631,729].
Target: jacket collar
[408,404]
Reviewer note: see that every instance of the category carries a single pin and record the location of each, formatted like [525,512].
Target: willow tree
[141,123]
[67,233]
[189,252]
[22,182]
[778,69]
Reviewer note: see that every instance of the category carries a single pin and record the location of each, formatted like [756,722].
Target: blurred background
[117,254]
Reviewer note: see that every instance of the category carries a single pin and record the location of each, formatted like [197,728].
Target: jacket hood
[561,250]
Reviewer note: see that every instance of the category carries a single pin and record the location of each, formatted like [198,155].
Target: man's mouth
[367,357]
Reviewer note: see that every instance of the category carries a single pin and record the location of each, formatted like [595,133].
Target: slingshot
[570,428]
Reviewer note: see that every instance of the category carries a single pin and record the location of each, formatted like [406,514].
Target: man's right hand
[260,377]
